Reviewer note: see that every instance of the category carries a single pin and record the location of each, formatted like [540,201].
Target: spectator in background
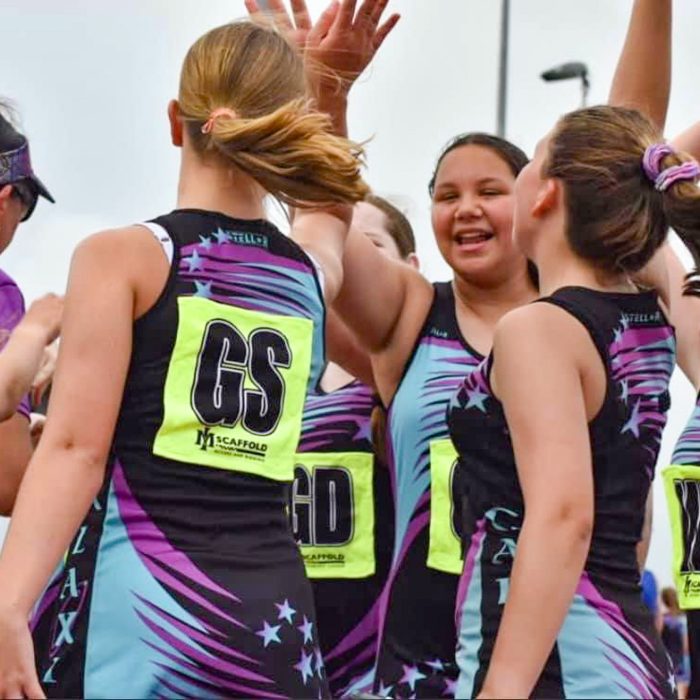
[650,597]
[23,338]
[674,635]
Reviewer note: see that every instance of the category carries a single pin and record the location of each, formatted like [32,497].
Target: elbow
[8,406]
[570,521]
[8,495]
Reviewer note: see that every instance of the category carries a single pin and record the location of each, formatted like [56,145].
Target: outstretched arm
[337,48]
[643,76]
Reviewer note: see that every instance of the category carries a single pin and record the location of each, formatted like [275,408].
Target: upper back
[222,362]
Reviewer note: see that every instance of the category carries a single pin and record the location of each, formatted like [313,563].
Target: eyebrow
[490,180]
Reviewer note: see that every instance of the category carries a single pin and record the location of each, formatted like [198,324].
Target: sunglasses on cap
[26,194]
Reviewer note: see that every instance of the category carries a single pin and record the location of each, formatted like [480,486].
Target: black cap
[15,163]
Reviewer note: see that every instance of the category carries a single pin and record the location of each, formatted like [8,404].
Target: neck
[210,185]
[562,268]
[491,302]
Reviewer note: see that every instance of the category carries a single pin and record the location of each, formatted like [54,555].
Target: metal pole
[503,69]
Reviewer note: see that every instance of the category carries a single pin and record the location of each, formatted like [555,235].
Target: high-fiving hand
[342,42]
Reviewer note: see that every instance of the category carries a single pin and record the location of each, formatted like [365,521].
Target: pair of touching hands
[338,46]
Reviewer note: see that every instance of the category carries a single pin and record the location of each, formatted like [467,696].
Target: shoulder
[538,325]
[118,248]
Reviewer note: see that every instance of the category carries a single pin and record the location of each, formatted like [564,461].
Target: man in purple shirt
[23,337]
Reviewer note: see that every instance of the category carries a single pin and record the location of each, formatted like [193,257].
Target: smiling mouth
[472,238]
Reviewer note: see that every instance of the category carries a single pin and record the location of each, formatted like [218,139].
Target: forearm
[550,558]
[689,141]
[61,482]
[333,100]
[643,76]
[19,362]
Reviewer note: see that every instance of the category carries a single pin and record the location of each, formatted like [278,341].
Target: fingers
[384,31]
[378,10]
[366,13]
[254,9]
[324,23]
[302,18]
[278,14]
[346,14]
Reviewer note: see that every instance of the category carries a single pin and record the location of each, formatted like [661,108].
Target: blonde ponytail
[271,133]
[293,154]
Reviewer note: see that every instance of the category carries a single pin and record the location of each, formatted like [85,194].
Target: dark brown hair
[617,219]
[397,224]
[508,152]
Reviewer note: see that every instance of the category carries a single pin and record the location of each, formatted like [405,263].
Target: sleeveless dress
[342,516]
[682,485]
[184,579]
[607,646]
[417,648]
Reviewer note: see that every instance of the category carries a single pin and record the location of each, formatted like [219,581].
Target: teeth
[473,238]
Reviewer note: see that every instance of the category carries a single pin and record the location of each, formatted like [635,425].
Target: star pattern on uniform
[625,390]
[221,236]
[436,665]
[205,242]
[411,675]
[476,399]
[304,666]
[319,663]
[307,630]
[203,289]
[672,681]
[195,261]
[450,688]
[269,633]
[632,425]
[286,611]
[384,690]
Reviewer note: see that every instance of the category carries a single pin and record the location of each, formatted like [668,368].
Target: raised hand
[341,44]
[296,27]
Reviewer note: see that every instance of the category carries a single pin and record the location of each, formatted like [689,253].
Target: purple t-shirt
[11,312]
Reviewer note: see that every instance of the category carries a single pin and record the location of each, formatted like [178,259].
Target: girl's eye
[491,193]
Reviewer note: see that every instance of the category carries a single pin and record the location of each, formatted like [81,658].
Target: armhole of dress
[163,237]
[319,274]
[167,244]
[582,316]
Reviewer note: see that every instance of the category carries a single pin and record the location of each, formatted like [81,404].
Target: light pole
[566,71]
[503,70]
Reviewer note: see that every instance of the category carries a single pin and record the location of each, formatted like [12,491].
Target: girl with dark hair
[416,335]
[424,338]
[558,431]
